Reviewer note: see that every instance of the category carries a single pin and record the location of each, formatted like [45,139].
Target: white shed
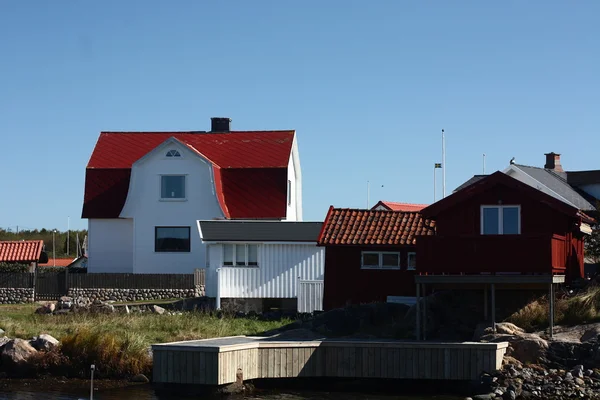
[265,263]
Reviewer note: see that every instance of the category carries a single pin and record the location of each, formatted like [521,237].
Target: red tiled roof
[264,155]
[21,251]
[60,262]
[394,206]
[345,226]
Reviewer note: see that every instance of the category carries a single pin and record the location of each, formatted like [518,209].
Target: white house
[144,192]
[265,263]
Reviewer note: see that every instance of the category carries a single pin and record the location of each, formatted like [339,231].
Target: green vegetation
[117,343]
[581,309]
[60,239]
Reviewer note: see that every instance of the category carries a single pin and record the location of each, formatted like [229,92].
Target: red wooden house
[501,225]
[499,232]
[370,254]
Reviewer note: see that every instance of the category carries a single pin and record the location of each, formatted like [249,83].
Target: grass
[581,309]
[117,343]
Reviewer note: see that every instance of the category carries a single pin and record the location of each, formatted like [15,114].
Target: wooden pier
[221,361]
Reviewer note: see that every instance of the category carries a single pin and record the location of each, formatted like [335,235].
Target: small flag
[438,165]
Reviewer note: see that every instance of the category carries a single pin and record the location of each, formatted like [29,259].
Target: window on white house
[172,187]
[500,220]
[240,255]
[380,260]
[173,153]
[172,239]
[412,261]
[289,192]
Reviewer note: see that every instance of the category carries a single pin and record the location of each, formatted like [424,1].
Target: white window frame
[380,254]
[234,260]
[185,187]
[176,156]
[409,255]
[500,208]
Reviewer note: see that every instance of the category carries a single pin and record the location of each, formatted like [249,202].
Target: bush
[531,317]
[13,267]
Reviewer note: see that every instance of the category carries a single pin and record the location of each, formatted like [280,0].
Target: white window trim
[246,265]
[501,208]
[408,267]
[380,254]
[185,188]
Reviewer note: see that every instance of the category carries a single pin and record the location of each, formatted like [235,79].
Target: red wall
[536,218]
[346,282]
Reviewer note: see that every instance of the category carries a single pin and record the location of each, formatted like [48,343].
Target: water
[145,392]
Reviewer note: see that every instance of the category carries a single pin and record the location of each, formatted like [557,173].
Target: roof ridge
[400,202]
[197,132]
[371,210]
[21,241]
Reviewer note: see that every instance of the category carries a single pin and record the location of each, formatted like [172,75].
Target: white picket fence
[310,296]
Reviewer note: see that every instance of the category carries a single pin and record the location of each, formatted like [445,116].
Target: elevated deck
[224,360]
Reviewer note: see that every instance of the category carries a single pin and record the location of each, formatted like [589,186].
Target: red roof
[394,206]
[60,262]
[250,169]
[21,251]
[345,226]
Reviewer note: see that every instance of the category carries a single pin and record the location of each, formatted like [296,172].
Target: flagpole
[434,168]
[484,163]
[368,189]
[443,164]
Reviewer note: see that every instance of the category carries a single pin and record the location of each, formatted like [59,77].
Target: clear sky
[367,85]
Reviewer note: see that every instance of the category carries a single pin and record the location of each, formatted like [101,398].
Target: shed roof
[258,231]
[25,251]
[345,226]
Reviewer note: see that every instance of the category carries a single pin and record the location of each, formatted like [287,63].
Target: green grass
[20,321]
[117,343]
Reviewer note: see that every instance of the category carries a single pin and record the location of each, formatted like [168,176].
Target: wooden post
[418,311]
[494,307]
[551,316]
[485,303]
[424,312]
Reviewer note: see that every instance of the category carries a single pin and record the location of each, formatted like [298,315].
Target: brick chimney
[553,162]
[219,124]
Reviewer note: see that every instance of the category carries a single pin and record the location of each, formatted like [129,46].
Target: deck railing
[529,254]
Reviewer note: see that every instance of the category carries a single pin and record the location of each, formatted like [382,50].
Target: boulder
[44,342]
[485,331]
[140,378]
[17,352]
[157,310]
[3,341]
[102,308]
[528,348]
[1,332]
[43,310]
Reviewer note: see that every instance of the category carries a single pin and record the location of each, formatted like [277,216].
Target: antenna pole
[443,164]
[68,231]
[434,168]
[368,193]
[483,163]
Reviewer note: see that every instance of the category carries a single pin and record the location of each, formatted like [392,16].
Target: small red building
[370,254]
[501,225]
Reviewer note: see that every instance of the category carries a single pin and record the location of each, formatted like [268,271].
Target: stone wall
[136,294]
[16,295]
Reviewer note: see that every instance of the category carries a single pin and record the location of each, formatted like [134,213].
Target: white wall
[295,172]
[593,190]
[110,245]
[279,267]
[148,211]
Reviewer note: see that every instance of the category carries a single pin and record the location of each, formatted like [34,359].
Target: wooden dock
[219,361]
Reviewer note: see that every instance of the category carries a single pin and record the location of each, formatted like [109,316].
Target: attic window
[173,153]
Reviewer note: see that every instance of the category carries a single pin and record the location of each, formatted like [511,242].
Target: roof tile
[344,226]
[21,251]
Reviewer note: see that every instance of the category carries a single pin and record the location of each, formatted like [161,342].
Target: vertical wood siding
[280,267]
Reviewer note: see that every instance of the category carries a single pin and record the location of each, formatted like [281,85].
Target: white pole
[92,382]
[434,168]
[53,249]
[68,231]
[368,193]
[484,163]
[443,164]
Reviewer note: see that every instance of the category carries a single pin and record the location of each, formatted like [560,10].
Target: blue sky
[367,85]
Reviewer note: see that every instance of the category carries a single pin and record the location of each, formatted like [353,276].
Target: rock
[1,332]
[158,310]
[17,352]
[580,381]
[43,310]
[3,341]
[140,378]
[102,308]
[126,308]
[44,342]
[509,395]
[51,307]
[484,396]
[528,348]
